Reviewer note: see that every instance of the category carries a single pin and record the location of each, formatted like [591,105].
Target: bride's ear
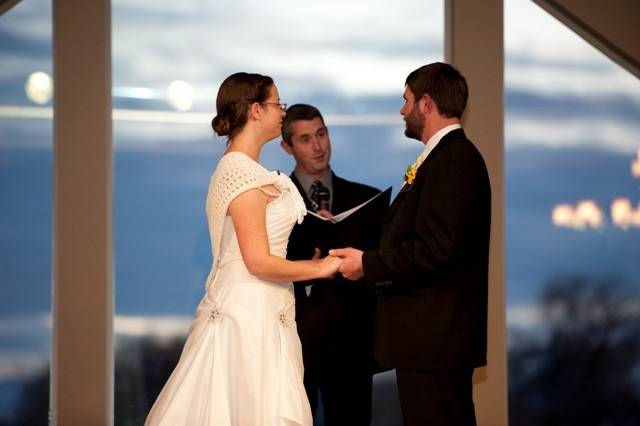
[255,111]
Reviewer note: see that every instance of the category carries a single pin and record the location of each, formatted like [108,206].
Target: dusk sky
[349,58]
[569,112]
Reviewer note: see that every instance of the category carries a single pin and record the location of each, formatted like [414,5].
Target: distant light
[180,95]
[586,214]
[635,165]
[624,215]
[562,215]
[39,87]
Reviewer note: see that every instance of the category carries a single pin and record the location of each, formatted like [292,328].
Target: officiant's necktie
[319,196]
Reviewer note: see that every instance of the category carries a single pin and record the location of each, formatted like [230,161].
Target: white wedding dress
[242,361]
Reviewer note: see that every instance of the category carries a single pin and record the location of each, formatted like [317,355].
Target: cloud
[356,48]
[586,214]
[30,20]
[164,327]
[25,40]
[529,28]
[544,56]
[20,365]
[534,315]
[525,316]
[585,132]
[41,324]
[572,95]
[359,47]
[558,78]
[607,121]
[24,326]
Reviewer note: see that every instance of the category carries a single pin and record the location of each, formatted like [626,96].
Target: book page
[345,214]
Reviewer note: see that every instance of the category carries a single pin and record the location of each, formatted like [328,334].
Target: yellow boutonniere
[410,175]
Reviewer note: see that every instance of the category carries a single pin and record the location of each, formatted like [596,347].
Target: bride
[242,361]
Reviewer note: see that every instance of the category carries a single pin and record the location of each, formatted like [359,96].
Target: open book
[357,227]
[379,207]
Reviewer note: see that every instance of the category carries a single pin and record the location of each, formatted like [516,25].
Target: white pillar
[474,45]
[82,361]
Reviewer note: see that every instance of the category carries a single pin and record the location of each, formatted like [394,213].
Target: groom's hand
[351,266]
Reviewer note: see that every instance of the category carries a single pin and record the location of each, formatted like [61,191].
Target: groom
[430,270]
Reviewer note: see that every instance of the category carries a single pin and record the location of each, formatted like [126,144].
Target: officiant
[334,319]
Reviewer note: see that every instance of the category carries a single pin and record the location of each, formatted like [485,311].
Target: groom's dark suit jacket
[335,322]
[431,268]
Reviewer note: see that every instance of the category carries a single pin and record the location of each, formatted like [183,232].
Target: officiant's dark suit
[334,317]
[430,270]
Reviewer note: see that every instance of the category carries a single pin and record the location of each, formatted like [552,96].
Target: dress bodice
[282,214]
[235,174]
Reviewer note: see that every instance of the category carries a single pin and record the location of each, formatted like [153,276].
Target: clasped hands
[347,261]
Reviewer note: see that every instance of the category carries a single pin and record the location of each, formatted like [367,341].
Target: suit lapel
[341,197]
[404,191]
[302,192]
[391,211]
[420,175]
[454,134]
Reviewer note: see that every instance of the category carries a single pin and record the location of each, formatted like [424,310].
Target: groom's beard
[414,124]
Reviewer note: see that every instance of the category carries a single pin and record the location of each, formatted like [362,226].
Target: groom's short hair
[298,112]
[444,84]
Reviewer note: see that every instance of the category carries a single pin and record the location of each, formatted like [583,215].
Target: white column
[82,361]
[474,45]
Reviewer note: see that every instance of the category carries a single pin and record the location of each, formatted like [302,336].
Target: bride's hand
[329,266]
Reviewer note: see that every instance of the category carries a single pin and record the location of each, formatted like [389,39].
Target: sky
[348,51]
[351,58]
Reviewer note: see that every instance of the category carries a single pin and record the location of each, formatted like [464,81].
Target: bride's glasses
[283,107]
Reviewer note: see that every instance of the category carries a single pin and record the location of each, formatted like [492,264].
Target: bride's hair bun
[235,96]
[220,125]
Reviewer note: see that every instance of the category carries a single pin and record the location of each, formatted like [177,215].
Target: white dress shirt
[432,143]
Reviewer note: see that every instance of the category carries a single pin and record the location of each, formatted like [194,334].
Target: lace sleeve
[236,173]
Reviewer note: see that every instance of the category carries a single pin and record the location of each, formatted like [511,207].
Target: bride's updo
[237,93]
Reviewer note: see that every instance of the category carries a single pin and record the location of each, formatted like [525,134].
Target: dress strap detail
[266,192]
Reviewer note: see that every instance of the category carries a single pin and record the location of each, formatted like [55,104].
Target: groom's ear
[424,104]
[285,145]
[428,104]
